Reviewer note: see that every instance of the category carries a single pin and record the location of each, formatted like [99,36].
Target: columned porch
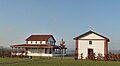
[37,50]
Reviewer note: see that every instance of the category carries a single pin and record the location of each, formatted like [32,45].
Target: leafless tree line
[5,52]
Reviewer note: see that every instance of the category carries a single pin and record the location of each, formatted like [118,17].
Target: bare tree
[62,48]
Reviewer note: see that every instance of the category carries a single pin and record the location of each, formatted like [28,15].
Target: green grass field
[54,61]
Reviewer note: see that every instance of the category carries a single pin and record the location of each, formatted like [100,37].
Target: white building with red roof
[91,43]
[38,45]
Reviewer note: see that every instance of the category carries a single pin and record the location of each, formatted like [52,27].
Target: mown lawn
[58,62]
[12,59]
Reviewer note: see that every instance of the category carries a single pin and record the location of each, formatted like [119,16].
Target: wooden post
[52,51]
[11,51]
[63,52]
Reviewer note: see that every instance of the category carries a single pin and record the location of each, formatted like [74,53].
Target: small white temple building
[89,43]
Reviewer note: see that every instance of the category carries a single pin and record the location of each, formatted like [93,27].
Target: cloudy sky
[62,18]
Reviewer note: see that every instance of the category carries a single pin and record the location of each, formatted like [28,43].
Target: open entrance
[90,53]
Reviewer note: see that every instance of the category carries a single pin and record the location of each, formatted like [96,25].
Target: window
[33,42]
[36,42]
[90,42]
[51,43]
[29,42]
[40,42]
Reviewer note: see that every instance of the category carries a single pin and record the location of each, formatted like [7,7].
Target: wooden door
[90,53]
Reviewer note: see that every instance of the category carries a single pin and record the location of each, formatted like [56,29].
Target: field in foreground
[55,61]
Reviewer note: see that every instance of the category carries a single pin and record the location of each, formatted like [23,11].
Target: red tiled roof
[37,45]
[32,46]
[89,32]
[39,38]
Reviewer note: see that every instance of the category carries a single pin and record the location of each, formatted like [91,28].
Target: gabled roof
[89,32]
[39,38]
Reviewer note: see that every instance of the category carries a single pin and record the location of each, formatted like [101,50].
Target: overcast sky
[62,18]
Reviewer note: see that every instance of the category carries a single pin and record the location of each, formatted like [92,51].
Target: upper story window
[29,42]
[51,43]
[90,42]
[40,42]
[35,42]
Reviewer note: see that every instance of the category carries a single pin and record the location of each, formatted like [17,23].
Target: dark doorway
[90,53]
[50,51]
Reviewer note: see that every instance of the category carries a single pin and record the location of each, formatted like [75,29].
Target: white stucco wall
[97,46]
[37,54]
